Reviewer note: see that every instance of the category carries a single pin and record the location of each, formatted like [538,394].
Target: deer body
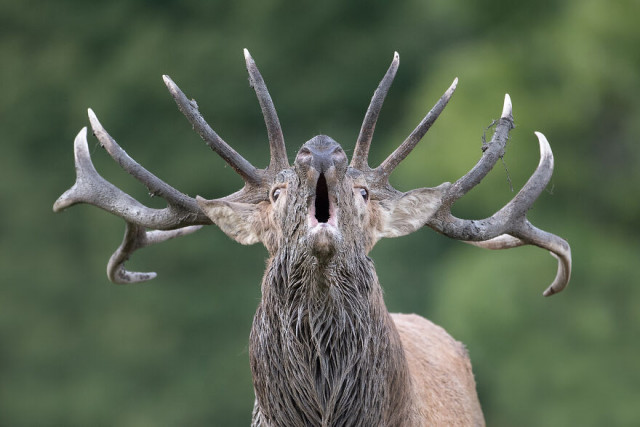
[324,350]
[357,367]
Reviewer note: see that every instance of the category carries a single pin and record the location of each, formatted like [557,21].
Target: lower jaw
[323,241]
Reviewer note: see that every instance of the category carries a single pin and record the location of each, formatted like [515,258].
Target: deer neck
[323,348]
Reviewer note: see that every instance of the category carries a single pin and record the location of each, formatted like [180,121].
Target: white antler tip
[247,55]
[95,123]
[80,146]
[451,89]
[545,147]
[507,108]
[170,84]
[396,56]
[80,143]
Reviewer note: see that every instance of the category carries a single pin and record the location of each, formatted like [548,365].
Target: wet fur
[324,350]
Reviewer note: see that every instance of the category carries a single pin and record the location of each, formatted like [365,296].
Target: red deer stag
[324,350]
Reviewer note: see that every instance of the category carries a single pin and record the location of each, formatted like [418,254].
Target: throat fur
[324,351]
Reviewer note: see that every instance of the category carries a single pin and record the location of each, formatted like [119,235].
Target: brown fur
[444,390]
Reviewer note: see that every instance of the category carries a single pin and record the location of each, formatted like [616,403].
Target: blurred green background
[76,350]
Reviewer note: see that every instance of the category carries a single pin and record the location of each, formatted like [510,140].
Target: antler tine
[155,185]
[493,151]
[531,235]
[91,188]
[508,227]
[86,177]
[363,143]
[136,237]
[279,159]
[189,108]
[525,231]
[412,140]
[557,246]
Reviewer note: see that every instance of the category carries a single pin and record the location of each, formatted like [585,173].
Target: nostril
[322,200]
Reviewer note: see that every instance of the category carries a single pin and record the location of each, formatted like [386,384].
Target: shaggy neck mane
[323,348]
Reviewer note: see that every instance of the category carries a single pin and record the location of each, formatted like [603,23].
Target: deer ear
[409,212]
[240,221]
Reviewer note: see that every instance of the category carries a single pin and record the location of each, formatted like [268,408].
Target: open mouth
[322,212]
[322,200]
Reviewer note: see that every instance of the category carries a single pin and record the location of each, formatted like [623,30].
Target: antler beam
[136,237]
[189,108]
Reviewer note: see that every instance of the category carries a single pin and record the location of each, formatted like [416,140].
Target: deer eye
[364,193]
[276,194]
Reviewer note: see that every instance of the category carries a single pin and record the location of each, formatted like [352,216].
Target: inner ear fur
[243,222]
[409,212]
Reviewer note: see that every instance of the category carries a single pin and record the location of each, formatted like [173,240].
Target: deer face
[334,217]
[324,207]
[318,205]
[320,168]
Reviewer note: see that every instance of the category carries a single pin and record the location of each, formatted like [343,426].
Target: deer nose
[324,160]
[322,153]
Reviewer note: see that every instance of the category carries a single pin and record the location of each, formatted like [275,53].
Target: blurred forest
[76,350]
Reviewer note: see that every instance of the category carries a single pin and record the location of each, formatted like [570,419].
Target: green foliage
[76,350]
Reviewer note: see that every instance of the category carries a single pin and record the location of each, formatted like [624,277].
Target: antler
[182,215]
[508,227]
[276,139]
[505,229]
[361,152]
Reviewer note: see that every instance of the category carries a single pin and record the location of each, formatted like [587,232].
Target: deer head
[321,204]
